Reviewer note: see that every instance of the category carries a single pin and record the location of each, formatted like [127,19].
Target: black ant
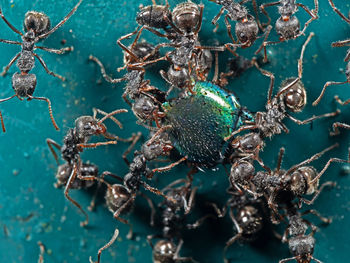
[75,141]
[301,245]
[246,214]
[290,97]
[340,43]
[287,25]
[37,27]
[174,210]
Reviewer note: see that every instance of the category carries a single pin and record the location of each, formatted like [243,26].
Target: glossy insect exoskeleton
[199,123]
[340,43]
[287,25]
[37,26]
[291,97]
[75,141]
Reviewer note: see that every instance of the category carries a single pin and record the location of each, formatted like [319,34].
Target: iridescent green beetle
[200,122]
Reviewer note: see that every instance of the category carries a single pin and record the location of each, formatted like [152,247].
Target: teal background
[31,209]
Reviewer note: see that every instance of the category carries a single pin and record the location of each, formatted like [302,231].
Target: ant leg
[326,115]
[160,130]
[64,20]
[57,51]
[109,115]
[267,74]
[234,238]
[177,258]
[126,49]
[42,62]
[151,205]
[337,160]
[135,139]
[269,43]
[266,35]
[199,222]
[328,83]
[262,9]
[317,193]
[228,27]
[95,111]
[341,43]
[313,13]
[3,73]
[255,8]
[338,12]
[188,205]
[280,157]
[110,242]
[220,213]
[300,61]
[286,260]
[103,71]
[120,210]
[125,98]
[216,18]
[157,192]
[10,42]
[51,143]
[316,213]
[243,128]
[9,24]
[311,159]
[94,145]
[71,179]
[273,207]
[42,251]
[340,101]
[2,122]
[168,167]
[50,109]
[338,125]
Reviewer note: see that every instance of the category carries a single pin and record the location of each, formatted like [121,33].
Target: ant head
[238,12]
[116,196]
[247,30]
[294,97]
[144,108]
[186,16]
[287,27]
[86,126]
[242,172]
[301,180]
[250,219]
[23,84]
[178,77]
[37,22]
[302,247]
[287,7]
[164,251]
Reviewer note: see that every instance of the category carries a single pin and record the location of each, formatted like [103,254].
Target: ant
[340,43]
[107,245]
[287,25]
[75,141]
[173,217]
[248,219]
[37,27]
[290,97]
[147,98]
[301,245]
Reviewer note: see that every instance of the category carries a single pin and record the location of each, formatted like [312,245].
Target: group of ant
[254,196]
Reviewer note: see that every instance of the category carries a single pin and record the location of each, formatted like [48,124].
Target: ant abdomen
[295,97]
[116,196]
[23,84]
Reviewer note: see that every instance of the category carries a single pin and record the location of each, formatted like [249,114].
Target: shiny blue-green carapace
[200,122]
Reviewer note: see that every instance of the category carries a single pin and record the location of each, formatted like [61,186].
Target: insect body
[37,27]
[199,122]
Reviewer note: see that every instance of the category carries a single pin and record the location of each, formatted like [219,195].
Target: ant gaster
[36,27]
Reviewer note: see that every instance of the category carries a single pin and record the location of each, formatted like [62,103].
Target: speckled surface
[31,209]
